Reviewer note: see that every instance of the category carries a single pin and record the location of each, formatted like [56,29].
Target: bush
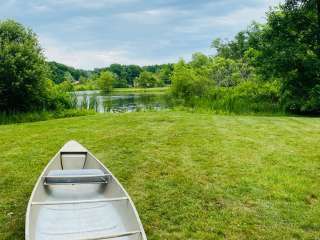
[105,81]
[247,97]
[147,80]
[228,72]
[223,84]
[187,83]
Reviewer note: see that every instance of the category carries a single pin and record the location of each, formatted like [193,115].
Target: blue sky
[95,33]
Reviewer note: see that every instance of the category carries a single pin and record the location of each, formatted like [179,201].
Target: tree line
[124,75]
[269,66]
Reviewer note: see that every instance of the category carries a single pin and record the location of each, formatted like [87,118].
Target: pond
[120,102]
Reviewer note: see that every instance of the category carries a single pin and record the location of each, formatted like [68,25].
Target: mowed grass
[191,175]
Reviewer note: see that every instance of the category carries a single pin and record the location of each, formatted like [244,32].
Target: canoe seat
[76,176]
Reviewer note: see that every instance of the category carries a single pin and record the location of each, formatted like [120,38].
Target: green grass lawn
[191,175]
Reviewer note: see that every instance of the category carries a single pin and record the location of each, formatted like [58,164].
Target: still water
[120,102]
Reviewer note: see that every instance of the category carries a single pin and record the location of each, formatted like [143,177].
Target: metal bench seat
[77,176]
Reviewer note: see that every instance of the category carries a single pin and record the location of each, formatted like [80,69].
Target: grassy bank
[141,90]
[7,118]
[128,90]
[191,176]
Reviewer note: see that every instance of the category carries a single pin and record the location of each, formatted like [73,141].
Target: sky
[89,34]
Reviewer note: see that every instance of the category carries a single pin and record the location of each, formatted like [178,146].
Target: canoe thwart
[76,176]
[74,153]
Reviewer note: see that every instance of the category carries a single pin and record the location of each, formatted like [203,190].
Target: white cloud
[80,23]
[86,4]
[80,58]
[238,19]
[40,8]
[92,58]
[153,16]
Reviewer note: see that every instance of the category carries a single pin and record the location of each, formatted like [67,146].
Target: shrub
[228,72]
[247,97]
[187,83]
[105,81]
[147,80]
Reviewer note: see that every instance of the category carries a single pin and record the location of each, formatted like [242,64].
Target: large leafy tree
[290,50]
[23,70]
[234,49]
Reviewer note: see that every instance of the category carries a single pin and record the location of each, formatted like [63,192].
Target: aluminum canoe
[78,198]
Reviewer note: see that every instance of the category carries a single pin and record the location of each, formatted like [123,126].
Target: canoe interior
[85,211]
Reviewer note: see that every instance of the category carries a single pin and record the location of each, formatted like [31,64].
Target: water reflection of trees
[121,103]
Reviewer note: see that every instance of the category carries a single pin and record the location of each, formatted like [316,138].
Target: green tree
[65,86]
[165,73]
[199,60]
[68,77]
[23,70]
[133,71]
[59,71]
[187,82]
[228,72]
[236,48]
[105,81]
[83,80]
[146,80]
[116,69]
